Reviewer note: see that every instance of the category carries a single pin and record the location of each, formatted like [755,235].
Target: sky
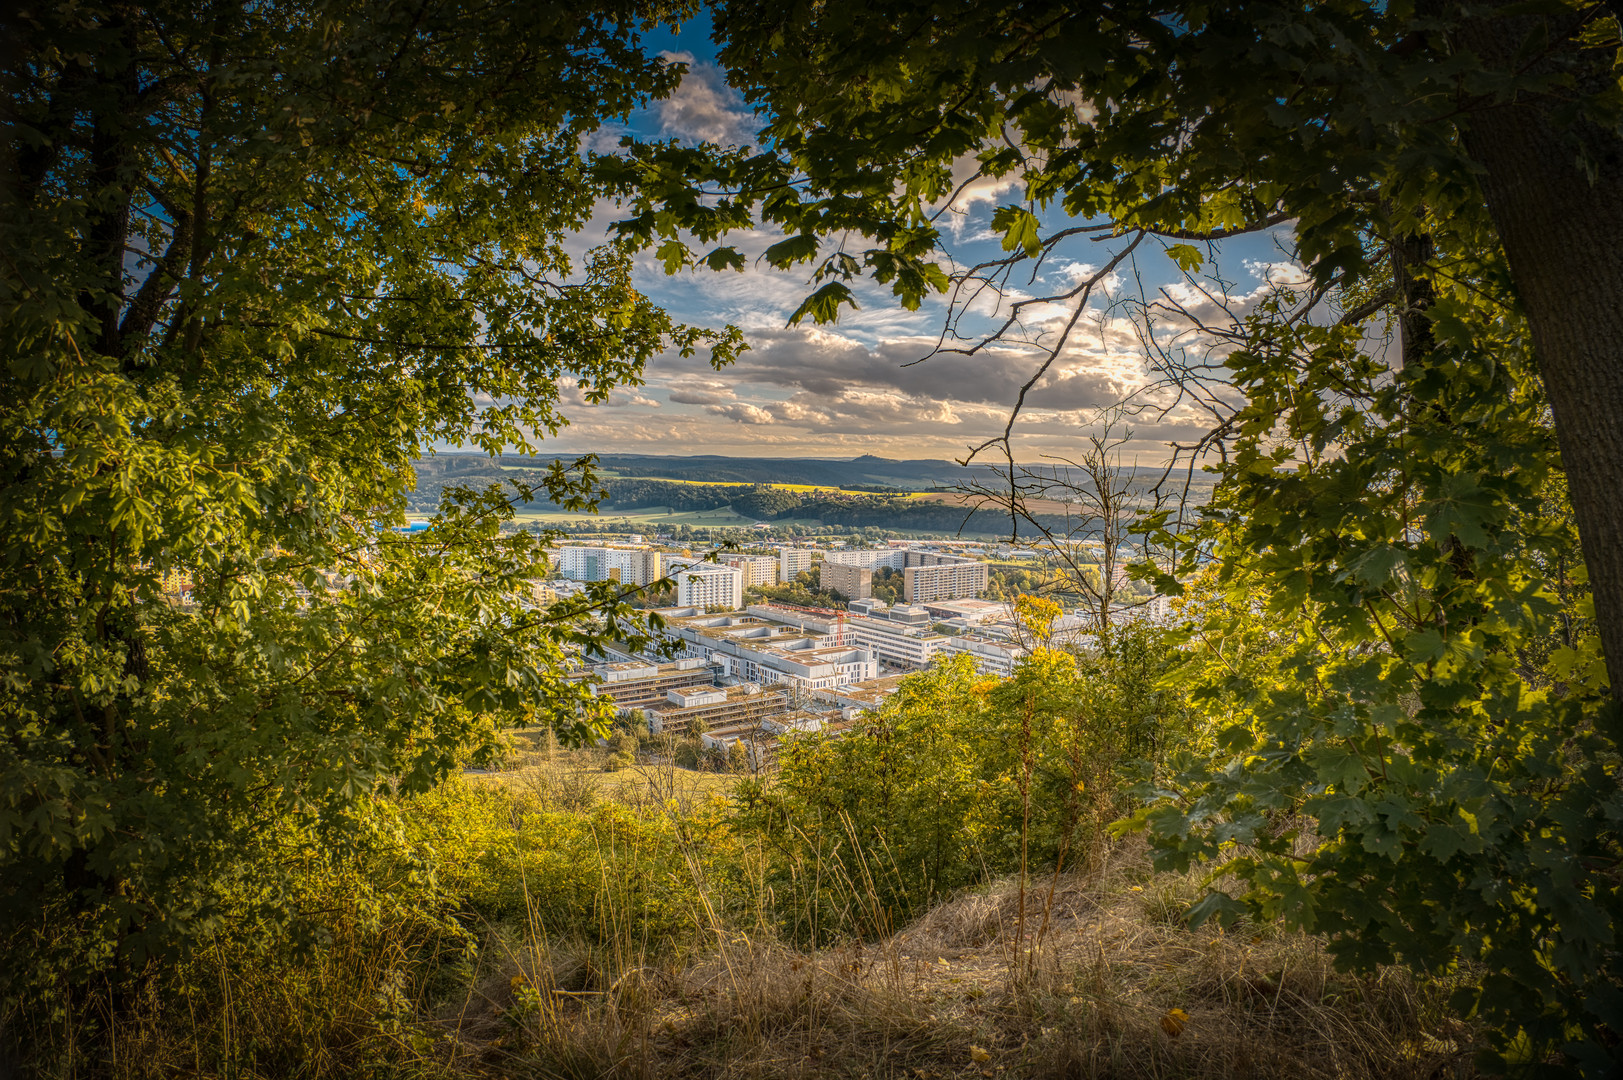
[856,386]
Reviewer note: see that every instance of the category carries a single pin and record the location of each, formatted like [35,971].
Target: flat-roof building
[860,697]
[638,685]
[943,577]
[630,565]
[991,655]
[715,706]
[757,569]
[710,585]
[753,649]
[851,582]
[791,561]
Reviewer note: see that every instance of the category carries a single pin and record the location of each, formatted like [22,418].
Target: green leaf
[723,257]
[1020,228]
[824,305]
[785,253]
[1187,256]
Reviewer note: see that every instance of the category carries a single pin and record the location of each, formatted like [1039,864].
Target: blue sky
[852,388]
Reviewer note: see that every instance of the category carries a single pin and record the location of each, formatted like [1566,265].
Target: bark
[1555,190]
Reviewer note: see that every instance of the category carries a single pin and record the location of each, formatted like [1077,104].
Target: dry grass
[575,780]
[1108,981]
[1114,986]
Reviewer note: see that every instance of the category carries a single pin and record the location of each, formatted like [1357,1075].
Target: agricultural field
[649,515]
[799,489]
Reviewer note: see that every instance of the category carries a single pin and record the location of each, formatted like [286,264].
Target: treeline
[763,502]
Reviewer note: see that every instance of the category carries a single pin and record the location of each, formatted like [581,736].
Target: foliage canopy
[257,259]
[1427,764]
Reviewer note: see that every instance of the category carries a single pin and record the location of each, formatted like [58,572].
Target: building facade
[792,561]
[637,685]
[710,585]
[629,565]
[757,569]
[851,582]
[943,577]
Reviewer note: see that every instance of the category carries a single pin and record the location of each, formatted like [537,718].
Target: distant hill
[867,491]
[866,472]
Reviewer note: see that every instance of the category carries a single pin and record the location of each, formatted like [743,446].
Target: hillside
[866,492]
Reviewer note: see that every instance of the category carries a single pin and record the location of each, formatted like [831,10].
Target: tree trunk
[1555,191]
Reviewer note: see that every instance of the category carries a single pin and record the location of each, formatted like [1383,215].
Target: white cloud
[703,108]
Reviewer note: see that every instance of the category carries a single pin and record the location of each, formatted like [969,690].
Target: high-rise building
[792,561]
[758,569]
[710,585]
[851,582]
[630,565]
[871,558]
[942,577]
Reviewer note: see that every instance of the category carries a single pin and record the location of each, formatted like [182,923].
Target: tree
[1104,507]
[257,259]
[1365,126]
[1402,516]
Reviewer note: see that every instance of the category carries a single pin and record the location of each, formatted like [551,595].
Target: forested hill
[791,500]
[867,472]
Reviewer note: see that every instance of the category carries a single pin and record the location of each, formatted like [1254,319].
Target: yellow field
[785,487]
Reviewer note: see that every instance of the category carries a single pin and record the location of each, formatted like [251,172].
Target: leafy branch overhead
[1409,616]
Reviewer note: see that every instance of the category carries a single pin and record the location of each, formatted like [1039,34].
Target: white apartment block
[895,558]
[791,561]
[710,585]
[945,577]
[629,565]
[758,569]
[927,575]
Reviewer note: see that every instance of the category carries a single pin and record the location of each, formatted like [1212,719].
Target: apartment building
[851,582]
[870,559]
[791,561]
[927,575]
[710,586]
[629,565]
[638,685]
[941,577]
[757,569]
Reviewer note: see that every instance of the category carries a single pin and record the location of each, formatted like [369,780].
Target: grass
[1107,981]
[1114,989]
[578,778]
